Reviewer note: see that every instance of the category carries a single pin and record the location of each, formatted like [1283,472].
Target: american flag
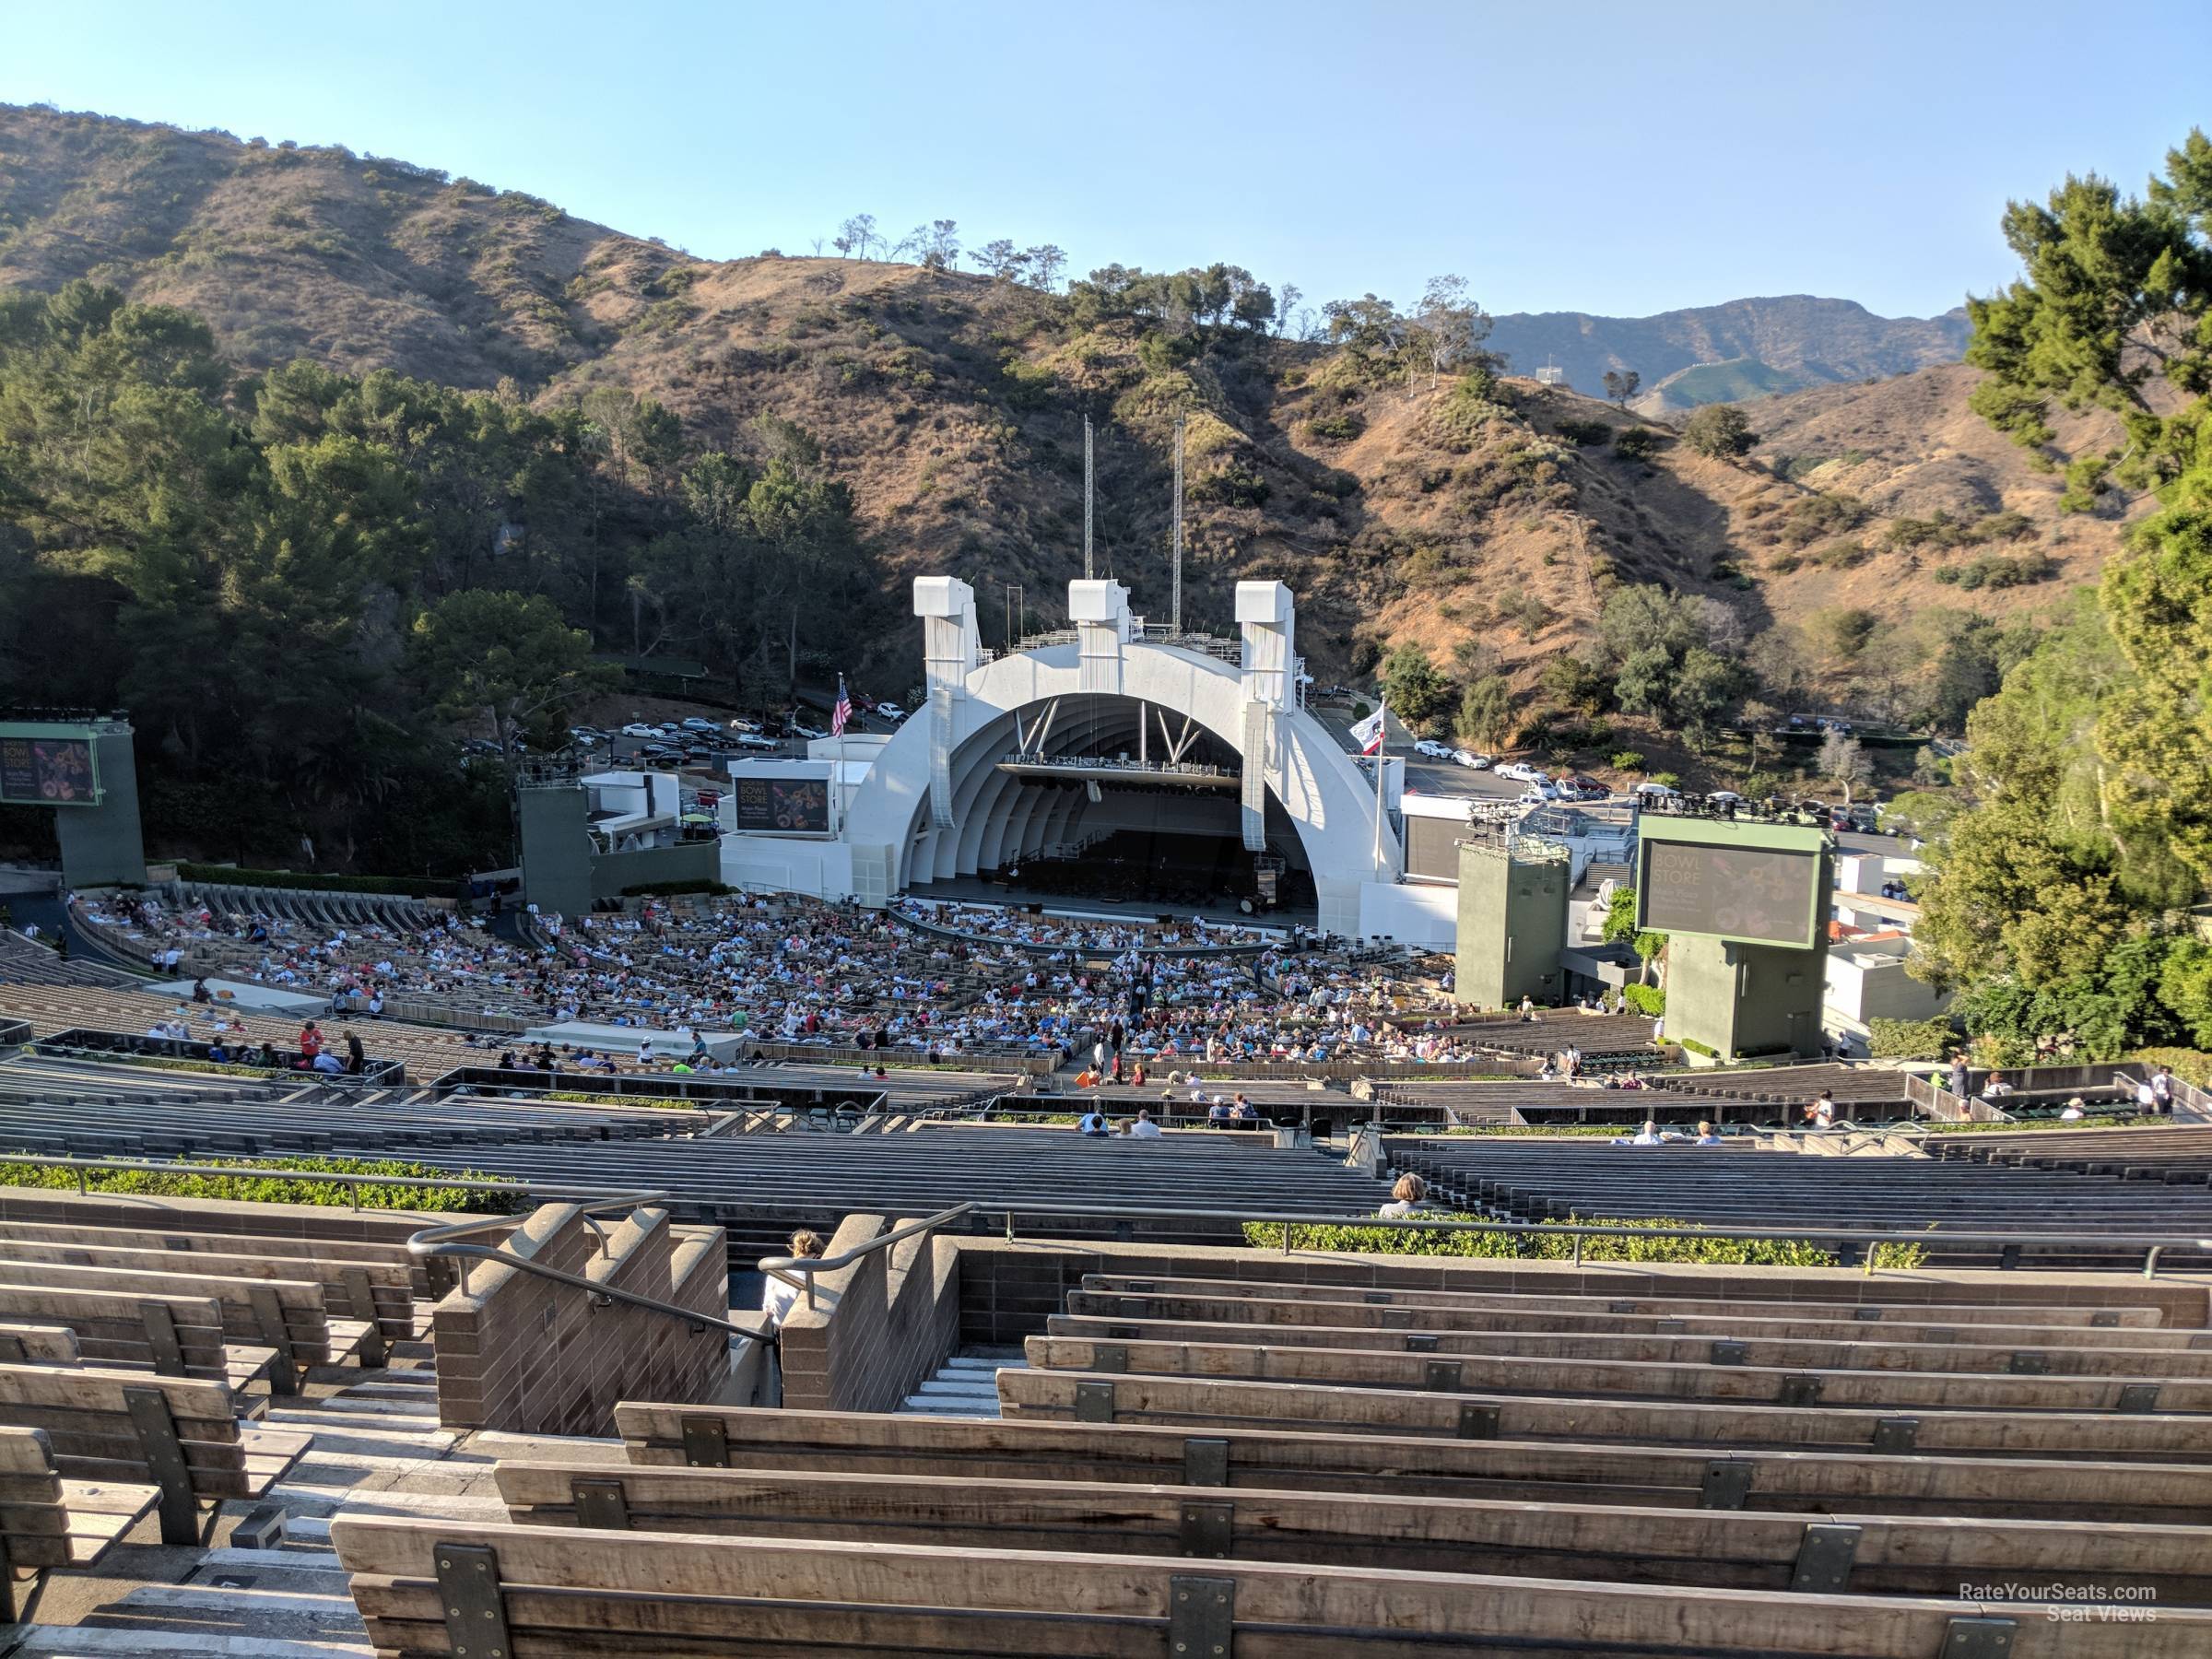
[843,713]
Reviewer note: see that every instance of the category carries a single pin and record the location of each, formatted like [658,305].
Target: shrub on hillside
[272,1190]
[1339,427]
[1627,760]
[1584,434]
[1635,443]
[1720,431]
[1553,1247]
[1911,1038]
[1644,999]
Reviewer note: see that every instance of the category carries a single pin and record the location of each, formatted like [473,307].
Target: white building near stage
[978,779]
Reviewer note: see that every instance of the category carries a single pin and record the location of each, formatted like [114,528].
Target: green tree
[1416,690]
[1486,713]
[1706,688]
[1621,384]
[1720,431]
[506,656]
[1620,924]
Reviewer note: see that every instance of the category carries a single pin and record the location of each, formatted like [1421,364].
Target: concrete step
[947,1406]
[90,1642]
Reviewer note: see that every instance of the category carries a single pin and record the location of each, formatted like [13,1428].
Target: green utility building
[1512,921]
[1744,910]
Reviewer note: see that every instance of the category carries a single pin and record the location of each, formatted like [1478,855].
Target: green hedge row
[270,1190]
[2096,1121]
[398,886]
[1550,1247]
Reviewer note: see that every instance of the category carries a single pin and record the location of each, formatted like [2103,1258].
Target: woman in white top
[1404,1198]
[779,1296]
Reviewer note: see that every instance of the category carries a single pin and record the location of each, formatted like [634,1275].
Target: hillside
[950,406]
[1760,346]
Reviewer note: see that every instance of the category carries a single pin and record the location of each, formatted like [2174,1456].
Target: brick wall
[527,1355]
[878,1326]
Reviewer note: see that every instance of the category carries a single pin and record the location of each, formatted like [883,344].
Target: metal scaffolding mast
[1175,600]
[1090,572]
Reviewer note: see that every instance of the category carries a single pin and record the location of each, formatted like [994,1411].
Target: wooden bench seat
[1111,1397]
[369,1281]
[536,1591]
[1870,1555]
[182,1434]
[286,1316]
[24,1343]
[176,1335]
[46,1522]
[1709,1379]
[1033,1448]
[1725,1345]
[1883,1299]
[1751,1320]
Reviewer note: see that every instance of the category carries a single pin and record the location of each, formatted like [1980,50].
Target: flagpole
[841,695]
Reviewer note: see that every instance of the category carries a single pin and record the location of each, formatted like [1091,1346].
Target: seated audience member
[1094,1124]
[1648,1136]
[2074,1109]
[1406,1197]
[778,1296]
[1707,1135]
[1144,1128]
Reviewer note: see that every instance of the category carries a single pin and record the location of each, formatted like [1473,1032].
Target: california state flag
[1368,733]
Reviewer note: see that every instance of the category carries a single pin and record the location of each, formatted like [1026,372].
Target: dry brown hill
[952,407]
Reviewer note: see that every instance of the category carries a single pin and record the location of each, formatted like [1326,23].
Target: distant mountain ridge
[1744,348]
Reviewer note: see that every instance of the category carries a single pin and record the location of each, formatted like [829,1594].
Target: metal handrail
[440,1241]
[783,1267]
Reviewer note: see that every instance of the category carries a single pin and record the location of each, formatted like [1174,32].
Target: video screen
[47,772]
[1750,893]
[788,806]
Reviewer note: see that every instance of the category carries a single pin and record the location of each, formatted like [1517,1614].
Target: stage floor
[967,890]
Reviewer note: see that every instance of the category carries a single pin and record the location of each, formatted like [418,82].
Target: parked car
[1470,758]
[1433,749]
[694,723]
[747,740]
[1537,794]
[1521,772]
[1656,791]
[890,711]
[798,730]
[638,728]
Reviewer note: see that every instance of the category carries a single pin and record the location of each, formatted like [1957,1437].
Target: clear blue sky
[1608,157]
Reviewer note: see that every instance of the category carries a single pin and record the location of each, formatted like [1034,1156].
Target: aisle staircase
[267,1587]
[965,1385]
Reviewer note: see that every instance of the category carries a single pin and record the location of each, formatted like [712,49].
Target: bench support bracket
[1824,1560]
[475,1611]
[268,1313]
[706,1443]
[1208,1529]
[1896,1435]
[1979,1638]
[165,1459]
[1727,1483]
[360,1296]
[161,1339]
[1204,1462]
[1202,1617]
[1094,1401]
[600,1505]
